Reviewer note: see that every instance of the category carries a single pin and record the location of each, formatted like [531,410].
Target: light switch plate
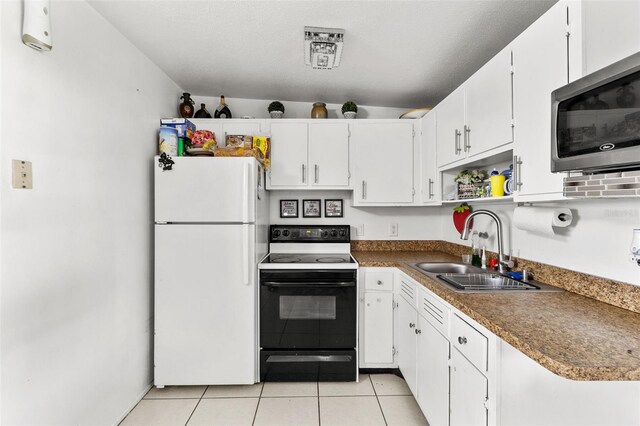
[21,174]
[393,229]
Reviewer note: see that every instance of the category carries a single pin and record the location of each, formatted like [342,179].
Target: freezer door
[205,305]
[206,189]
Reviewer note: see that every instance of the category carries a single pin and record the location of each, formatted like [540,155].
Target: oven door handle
[317,284]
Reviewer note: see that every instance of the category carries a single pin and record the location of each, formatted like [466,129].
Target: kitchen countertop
[574,336]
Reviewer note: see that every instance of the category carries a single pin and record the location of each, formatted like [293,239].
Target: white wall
[257,108]
[77,267]
[598,242]
[414,223]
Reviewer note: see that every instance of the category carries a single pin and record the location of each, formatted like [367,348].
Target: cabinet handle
[457,142]
[364,190]
[379,282]
[430,188]
[411,325]
[517,171]
[467,136]
[303,173]
[316,172]
[418,331]
[462,340]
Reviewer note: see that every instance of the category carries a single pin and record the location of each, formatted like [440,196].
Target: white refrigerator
[211,230]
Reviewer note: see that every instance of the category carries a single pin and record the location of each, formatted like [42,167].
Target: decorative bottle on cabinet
[202,112]
[223,110]
[186,107]
[319,110]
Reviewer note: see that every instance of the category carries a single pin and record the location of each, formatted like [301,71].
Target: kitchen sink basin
[447,268]
[465,278]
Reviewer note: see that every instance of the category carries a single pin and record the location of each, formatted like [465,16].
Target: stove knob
[276,233]
[285,233]
[343,233]
[295,234]
[325,233]
[334,233]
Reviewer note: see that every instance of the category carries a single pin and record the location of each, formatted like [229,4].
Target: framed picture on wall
[332,208]
[288,208]
[311,208]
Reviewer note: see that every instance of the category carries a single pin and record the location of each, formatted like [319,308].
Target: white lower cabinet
[406,336]
[376,337]
[433,374]
[469,387]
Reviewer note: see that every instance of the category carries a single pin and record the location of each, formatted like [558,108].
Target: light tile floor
[378,399]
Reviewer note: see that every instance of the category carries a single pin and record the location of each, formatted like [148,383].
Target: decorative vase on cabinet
[186,107]
[319,110]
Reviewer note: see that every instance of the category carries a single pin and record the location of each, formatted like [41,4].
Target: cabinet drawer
[470,342]
[433,311]
[378,280]
[408,291]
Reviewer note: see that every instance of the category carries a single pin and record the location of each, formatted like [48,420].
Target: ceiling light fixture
[323,47]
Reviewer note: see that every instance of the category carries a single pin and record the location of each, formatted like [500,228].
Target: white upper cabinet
[610,32]
[288,155]
[450,125]
[488,106]
[223,127]
[307,155]
[477,117]
[329,154]
[382,162]
[429,181]
[541,65]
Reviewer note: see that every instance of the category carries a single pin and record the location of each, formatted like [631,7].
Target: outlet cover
[21,174]
[393,229]
[360,230]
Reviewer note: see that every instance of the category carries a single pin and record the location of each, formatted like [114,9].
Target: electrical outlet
[21,174]
[360,230]
[393,229]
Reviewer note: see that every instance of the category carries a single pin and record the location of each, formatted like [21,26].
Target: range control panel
[311,234]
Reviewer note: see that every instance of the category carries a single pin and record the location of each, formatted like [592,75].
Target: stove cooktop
[315,258]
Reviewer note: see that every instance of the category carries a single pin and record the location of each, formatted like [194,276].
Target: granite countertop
[574,336]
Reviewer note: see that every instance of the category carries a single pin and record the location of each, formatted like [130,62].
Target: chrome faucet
[502,263]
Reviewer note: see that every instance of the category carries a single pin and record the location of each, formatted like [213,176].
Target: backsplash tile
[618,184]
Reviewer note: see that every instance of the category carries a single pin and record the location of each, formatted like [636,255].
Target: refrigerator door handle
[246,267]
[245,195]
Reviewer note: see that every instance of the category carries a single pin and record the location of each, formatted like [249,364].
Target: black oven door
[308,309]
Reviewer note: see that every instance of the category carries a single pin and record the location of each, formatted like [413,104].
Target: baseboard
[132,406]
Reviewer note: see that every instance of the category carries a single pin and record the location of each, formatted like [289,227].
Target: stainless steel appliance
[308,305]
[596,120]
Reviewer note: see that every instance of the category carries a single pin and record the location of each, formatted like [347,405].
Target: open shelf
[487,200]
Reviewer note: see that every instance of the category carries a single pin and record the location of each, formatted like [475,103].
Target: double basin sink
[469,279]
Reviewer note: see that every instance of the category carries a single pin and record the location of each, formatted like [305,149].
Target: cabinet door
[243,127]
[468,393]
[378,328]
[540,66]
[383,162]
[433,374]
[488,106]
[329,154]
[288,154]
[406,327]
[429,182]
[450,125]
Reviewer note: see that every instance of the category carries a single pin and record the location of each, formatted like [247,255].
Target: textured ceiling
[396,53]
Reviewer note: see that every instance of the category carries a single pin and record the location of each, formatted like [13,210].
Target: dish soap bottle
[475,257]
[223,110]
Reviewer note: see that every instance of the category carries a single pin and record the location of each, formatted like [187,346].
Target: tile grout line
[255,414]
[378,400]
[318,396]
[194,410]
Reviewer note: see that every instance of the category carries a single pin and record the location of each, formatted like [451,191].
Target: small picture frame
[333,208]
[288,208]
[311,208]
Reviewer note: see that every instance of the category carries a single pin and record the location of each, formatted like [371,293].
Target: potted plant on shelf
[349,109]
[276,109]
[470,183]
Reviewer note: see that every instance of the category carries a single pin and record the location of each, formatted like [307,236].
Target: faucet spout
[464,235]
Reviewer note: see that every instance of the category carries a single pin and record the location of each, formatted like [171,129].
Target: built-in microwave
[596,120]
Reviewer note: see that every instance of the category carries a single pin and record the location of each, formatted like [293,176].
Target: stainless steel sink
[447,268]
[465,278]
